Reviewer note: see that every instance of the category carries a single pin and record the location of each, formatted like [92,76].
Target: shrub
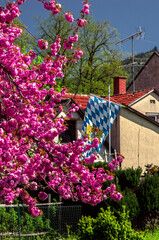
[131,204]
[149,194]
[129,177]
[28,224]
[86,228]
[107,226]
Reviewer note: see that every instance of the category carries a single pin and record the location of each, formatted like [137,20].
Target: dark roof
[155,53]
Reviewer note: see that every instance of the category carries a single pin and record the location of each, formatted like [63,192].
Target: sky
[123,15]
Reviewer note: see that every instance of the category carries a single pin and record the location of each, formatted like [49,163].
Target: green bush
[86,227]
[107,226]
[28,224]
[128,178]
[149,194]
[131,204]
[129,200]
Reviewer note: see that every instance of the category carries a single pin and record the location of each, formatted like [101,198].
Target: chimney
[119,85]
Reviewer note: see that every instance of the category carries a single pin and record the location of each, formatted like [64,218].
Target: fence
[16,223]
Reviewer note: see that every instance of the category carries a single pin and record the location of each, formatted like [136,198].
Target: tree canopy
[100,61]
[32,162]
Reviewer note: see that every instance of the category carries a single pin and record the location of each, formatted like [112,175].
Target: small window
[154,116]
[152,101]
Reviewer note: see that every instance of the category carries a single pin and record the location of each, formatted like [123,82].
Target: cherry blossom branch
[12,80]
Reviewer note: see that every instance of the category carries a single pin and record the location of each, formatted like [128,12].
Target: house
[144,101]
[148,76]
[75,123]
[135,132]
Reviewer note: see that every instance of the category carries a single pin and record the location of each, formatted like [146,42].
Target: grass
[152,235]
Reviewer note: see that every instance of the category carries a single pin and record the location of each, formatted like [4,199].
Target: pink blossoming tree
[30,158]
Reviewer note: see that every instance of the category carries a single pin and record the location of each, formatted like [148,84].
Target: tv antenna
[140,35]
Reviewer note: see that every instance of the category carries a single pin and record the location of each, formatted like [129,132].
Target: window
[152,101]
[154,116]
[70,134]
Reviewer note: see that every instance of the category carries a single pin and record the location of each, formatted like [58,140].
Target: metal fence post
[19,220]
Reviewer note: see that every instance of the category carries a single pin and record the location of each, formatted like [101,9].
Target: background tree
[100,61]
[26,40]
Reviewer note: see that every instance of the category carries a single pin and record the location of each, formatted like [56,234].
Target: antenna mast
[131,37]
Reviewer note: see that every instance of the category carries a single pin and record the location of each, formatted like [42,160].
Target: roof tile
[125,99]
[128,98]
[78,98]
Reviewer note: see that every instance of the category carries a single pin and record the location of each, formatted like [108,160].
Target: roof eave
[141,115]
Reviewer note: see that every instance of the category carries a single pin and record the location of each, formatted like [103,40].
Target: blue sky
[123,15]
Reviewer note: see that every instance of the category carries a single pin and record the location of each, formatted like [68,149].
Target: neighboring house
[144,101]
[135,133]
[148,76]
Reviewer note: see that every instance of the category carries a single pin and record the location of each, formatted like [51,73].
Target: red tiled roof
[128,98]
[78,98]
[125,99]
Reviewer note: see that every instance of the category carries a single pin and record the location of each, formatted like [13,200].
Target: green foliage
[38,60]
[131,204]
[129,201]
[28,224]
[98,165]
[6,217]
[149,194]
[54,209]
[107,226]
[86,228]
[152,235]
[100,61]
[128,178]
[25,39]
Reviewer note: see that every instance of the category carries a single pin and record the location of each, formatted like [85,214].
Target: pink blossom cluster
[30,157]
[78,54]
[81,22]
[85,9]
[9,13]
[69,17]
[74,38]
[114,163]
[74,107]
[115,195]
[43,44]
[55,47]
[52,6]
[19,2]
[68,44]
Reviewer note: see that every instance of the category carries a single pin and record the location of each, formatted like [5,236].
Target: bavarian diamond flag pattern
[96,121]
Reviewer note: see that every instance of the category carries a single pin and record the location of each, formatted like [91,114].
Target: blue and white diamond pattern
[97,115]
